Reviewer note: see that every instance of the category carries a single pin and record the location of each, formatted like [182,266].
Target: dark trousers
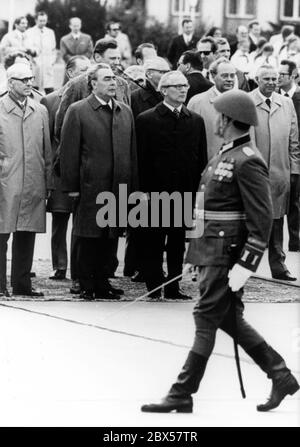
[133,251]
[158,240]
[112,257]
[293,217]
[93,256]
[276,253]
[59,244]
[21,263]
[59,241]
[215,310]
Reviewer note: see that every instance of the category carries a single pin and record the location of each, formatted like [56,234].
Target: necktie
[268,102]
[176,113]
[107,108]
[287,95]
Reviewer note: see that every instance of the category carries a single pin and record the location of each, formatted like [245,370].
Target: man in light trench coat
[25,177]
[276,135]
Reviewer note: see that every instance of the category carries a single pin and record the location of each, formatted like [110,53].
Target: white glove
[187,269]
[238,276]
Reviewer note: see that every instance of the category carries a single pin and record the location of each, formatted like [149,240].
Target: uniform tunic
[237,224]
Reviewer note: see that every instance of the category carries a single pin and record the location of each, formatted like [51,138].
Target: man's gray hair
[92,73]
[213,69]
[265,67]
[164,80]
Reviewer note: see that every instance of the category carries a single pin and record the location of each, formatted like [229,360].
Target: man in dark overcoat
[59,203]
[143,99]
[237,220]
[149,96]
[172,154]
[97,155]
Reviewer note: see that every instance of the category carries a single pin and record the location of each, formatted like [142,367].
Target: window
[183,7]
[241,8]
[290,10]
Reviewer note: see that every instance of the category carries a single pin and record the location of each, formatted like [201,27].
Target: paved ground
[64,362]
[95,364]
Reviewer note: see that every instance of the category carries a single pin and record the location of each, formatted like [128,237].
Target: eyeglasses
[24,80]
[206,53]
[115,29]
[177,86]
[283,74]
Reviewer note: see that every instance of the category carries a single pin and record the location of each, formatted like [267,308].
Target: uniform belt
[224,215]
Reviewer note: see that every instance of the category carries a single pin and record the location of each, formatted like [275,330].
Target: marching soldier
[237,226]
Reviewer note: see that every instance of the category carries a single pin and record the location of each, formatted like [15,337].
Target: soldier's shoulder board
[248,151]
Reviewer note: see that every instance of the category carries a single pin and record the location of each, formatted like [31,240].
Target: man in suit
[185,41]
[206,47]
[288,87]
[254,30]
[223,50]
[172,154]
[143,99]
[223,74]
[97,155]
[277,137]
[59,204]
[76,43]
[191,66]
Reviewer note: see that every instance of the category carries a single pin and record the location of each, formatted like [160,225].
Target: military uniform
[237,224]
[237,220]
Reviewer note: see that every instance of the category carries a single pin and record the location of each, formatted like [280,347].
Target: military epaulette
[251,254]
[238,142]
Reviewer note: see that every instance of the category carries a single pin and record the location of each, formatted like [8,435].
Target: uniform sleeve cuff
[251,256]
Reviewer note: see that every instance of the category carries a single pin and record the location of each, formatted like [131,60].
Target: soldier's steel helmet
[238,105]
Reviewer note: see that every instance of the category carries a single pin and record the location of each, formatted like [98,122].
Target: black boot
[283,382]
[179,397]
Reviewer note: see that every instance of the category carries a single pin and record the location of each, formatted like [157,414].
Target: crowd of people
[140,120]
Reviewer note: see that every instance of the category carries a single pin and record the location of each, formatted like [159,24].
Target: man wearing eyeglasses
[172,154]
[206,49]
[143,99]
[25,177]
[277,137]
[223,75]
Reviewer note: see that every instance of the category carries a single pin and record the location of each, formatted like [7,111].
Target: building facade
[226,14]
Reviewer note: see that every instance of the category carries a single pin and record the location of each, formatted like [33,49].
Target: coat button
[209,168]
[202,187]
[221,233]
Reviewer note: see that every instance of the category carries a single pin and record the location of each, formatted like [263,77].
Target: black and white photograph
[150,216]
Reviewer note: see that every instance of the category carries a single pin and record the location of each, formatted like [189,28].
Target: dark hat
[238,105]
